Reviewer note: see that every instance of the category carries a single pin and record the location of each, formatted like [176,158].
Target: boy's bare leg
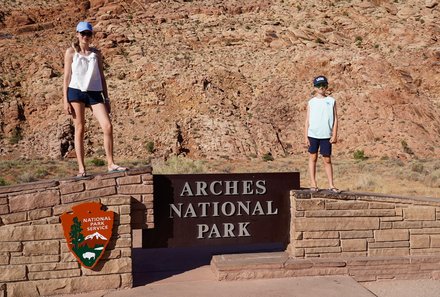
[329,170]
[312,169]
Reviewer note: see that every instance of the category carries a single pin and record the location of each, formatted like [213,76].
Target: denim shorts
[88,98]
[324,146]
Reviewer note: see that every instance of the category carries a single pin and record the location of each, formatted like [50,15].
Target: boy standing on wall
[321,131]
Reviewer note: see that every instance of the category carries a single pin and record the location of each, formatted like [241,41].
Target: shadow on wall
[150,265]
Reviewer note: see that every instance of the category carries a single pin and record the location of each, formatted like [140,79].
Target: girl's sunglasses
[86,33]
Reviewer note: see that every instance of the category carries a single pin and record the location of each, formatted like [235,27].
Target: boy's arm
[306,127]
[334,138]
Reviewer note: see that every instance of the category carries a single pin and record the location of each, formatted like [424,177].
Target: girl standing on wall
[85,86]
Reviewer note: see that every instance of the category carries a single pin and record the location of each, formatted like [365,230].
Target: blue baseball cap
[320,80]
[84,26]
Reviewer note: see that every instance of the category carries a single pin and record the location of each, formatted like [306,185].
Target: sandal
[116,168]
[81,174]
[314,189]
[335,190]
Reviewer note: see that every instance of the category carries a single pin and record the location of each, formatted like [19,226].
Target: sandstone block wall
[366,236]
[34,257]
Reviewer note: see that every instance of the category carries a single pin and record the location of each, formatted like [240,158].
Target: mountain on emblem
[95,235]
[88,231]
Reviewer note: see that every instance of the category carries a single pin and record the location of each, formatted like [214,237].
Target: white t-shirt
[85,73]
[321,117]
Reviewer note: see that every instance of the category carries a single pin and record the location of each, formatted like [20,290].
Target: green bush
[358,41]
[267,157]
[3,182]
[97,162]
[41,172]
[150,147]
[359,155]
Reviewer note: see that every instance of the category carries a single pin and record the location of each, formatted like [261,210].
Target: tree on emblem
[75,233]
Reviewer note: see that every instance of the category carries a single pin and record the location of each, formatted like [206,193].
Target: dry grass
[23,171]
[410,178]
[407,178]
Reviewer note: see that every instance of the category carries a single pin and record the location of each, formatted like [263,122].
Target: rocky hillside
[226,79]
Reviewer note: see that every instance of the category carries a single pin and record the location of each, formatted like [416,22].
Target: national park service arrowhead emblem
[88,231]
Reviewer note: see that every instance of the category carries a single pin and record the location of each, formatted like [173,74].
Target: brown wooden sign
[221,209]
[88,231]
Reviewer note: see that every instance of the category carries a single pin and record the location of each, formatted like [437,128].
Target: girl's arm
[68,59]
[101,70]
[103,81]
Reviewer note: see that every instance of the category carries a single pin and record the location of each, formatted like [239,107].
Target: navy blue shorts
[324,146]
[88,98]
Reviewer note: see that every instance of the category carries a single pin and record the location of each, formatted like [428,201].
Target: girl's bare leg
[101,114]
[79,122]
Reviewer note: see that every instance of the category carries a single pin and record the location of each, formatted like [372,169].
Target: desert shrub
[417,167]
[267,157]
[227,169]
[178,165]
[406,148]
[414,176]
[359,155]
[358,41]
[16,136]
[97,162]
[7,164]
[3,182]
[26,177]
[433,179]
[150,147]
[41,172]
[100,152]
[365,182]
[398,162]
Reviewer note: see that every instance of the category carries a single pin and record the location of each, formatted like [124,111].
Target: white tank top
[321,117]
[85,73]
